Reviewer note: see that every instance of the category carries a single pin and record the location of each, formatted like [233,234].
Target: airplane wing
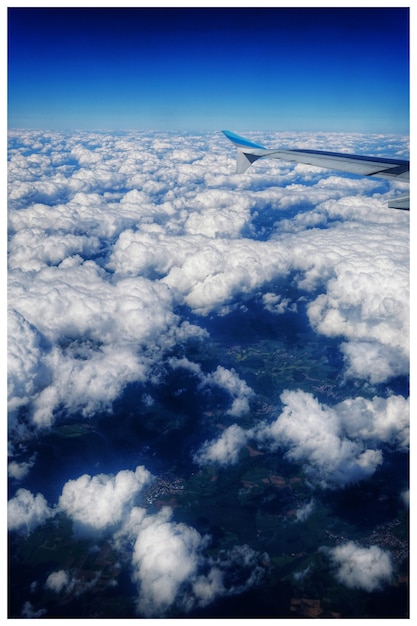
[248,152]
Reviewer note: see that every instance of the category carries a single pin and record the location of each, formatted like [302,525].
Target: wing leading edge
[248,152]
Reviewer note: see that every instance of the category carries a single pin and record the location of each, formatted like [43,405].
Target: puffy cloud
[30,250]
[115,240]
[367,300]
[107,238]
[59,581]
[238,389]
[361,568]
[165,557]
[314,434]
[225,450]
[26,368]
[171,568]
[169,560]
[65,582]
[202,272]
[218,213]
[99,502]
[225,379]
[18,471]
[383,420]
[373,361]
[337,445]
[89,384]
[99,334]
[26,511]
[275,303]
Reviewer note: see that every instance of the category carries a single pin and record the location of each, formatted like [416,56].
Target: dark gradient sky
[340,69]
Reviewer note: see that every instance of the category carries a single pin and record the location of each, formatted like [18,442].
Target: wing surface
[248,152]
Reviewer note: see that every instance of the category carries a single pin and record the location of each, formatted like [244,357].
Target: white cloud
[374,361]
[59,581]
[369,569]
[30,250]
[314,434]
[67,583]
[99,334]
[18,471]
[99,502]
[275,303]
[337,445]
[238,389]
[166,555]
[169,560]
[88,384]
[160,240]
[225,450]
[304,511]
[385,420]
[171,568]
[367,297]
[113,236]
[26,511]
[26,368]
[224,378]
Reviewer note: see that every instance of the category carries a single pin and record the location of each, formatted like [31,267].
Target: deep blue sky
[313,69]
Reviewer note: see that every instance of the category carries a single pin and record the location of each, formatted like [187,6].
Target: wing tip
[241,142]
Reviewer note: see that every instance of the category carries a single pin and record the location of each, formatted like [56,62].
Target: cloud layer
[110,233]
[125,250]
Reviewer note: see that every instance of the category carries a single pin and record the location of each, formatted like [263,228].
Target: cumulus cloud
[238,389]
[165,556]
[367,300]
[26,511]
[26,368]
[170,565]
[225,450]
[99,502]
[66,582]
[117,241]
[226,379]
[275,303]
[98,333]
[314,434]
[18,471]
[337,445]
[374,361]
[108,239]
[385,420]
[59,581]
[86,384]
[169,560]
[361,568]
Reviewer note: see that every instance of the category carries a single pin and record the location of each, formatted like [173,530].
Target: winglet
[245,151]
[402,202]
[241,142]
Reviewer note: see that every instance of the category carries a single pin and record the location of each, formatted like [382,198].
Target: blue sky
[185,69]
